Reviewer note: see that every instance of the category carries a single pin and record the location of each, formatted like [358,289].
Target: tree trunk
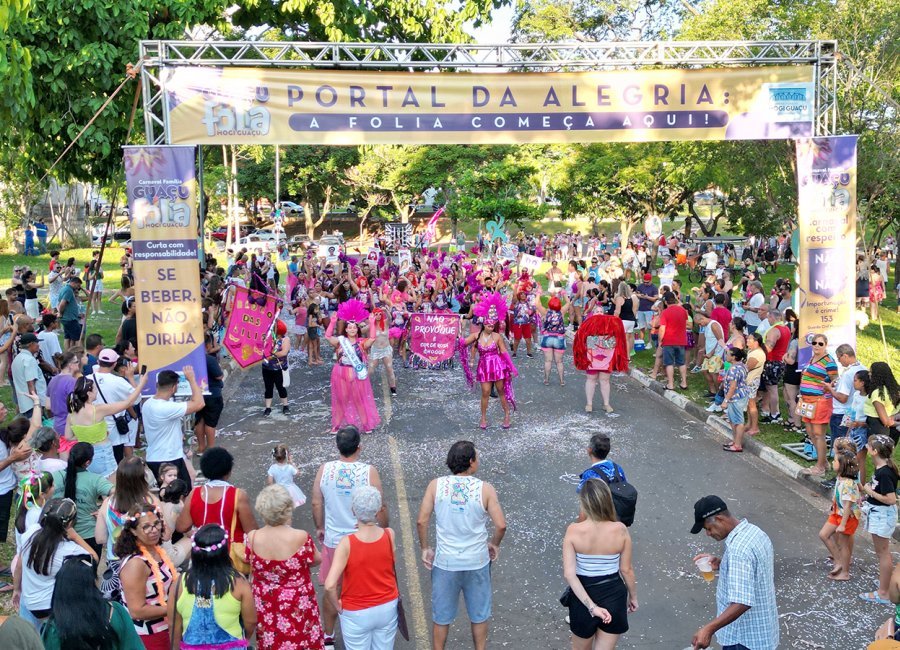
[625,228]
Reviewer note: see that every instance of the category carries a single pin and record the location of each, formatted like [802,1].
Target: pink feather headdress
[353,311]
[492,307]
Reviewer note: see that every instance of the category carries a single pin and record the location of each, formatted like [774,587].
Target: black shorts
[772,373]
[608,592]
[72,330]
[211,411]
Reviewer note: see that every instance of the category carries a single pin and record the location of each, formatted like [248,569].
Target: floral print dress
[286,607]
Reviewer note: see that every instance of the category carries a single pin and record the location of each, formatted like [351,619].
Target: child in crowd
[167,473]
[172,496]
[855,421]
[282,472]
[312,334]
[837,533]
[881,500]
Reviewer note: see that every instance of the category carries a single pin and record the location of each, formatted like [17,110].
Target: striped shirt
[747,577]
[817,374]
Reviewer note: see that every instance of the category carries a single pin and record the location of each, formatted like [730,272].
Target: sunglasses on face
[820,343]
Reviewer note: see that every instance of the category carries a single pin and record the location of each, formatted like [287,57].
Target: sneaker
[776,419]
[765,418]
[712,408]
[285,409]
[393,390]
[329,642]
[696,369]
[267,413]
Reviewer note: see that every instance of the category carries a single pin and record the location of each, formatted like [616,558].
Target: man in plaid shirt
[747,617]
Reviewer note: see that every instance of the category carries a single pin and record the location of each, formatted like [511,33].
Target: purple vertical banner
[162,197]
[826,208]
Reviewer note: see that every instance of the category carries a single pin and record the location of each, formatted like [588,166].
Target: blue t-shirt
[41,230]
[604,470]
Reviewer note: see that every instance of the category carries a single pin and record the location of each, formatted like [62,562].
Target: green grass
[869,347]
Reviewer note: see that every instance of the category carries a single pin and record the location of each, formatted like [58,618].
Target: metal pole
[201,205]
[278,211]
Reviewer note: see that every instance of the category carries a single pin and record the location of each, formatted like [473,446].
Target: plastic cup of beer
[704,564]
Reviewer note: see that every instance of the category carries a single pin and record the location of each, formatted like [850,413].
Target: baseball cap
[27,339]
[705,508]
[108,355]
[647,277]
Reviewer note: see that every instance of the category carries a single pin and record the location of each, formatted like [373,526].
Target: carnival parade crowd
[121,543]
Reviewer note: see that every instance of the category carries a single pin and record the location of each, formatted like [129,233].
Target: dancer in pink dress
[352,401]
[495,367]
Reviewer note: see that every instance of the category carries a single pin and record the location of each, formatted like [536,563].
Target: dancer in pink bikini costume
[352,401]
[495,366]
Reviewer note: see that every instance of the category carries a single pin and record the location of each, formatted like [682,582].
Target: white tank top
[461,524]
[338,481]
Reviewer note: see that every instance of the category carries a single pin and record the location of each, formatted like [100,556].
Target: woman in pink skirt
[495,368]
[352,401]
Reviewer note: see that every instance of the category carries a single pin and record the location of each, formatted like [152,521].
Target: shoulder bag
[402,626]
[120,420]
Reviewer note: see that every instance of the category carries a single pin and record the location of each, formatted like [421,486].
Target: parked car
[330,240]
[291,209]
[121,210]
[121,234]
[254,244]
[300,243]
[342,210]
[221,233]
[269,234]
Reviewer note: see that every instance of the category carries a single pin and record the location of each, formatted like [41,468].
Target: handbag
[286,378]
[120,420]
[402,625]
[237,550]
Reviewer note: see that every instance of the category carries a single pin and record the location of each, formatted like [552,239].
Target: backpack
[624,494]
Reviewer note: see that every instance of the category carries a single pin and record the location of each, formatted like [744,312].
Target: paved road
[672,461]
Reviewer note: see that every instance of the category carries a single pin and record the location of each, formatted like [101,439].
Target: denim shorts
[882,520]
[673,355]
[476,589]
[859,436]
[735,410]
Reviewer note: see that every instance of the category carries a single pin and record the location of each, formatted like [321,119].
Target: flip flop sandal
[733,449]
[5,587]
[873,597]
[683,387]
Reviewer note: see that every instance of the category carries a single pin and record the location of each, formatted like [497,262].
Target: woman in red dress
[281,556]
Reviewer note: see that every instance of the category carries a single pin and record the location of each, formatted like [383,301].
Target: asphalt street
[534,466]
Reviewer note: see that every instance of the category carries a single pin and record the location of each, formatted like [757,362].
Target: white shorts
[628,325]
[643,319]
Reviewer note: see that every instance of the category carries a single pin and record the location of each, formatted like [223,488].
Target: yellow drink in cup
[706,569]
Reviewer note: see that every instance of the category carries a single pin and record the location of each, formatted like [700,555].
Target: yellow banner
[826,175]
[162,197]
[274,106]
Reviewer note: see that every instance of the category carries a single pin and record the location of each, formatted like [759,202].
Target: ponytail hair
[30,488]
[80,455]
[79,396]
[56,517]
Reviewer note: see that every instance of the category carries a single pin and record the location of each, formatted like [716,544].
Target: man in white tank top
[331,505]
[462,560]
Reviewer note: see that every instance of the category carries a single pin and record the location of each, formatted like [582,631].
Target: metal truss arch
[512,57]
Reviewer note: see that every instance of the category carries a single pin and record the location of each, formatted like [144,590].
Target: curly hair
[127,543]
[881,378]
